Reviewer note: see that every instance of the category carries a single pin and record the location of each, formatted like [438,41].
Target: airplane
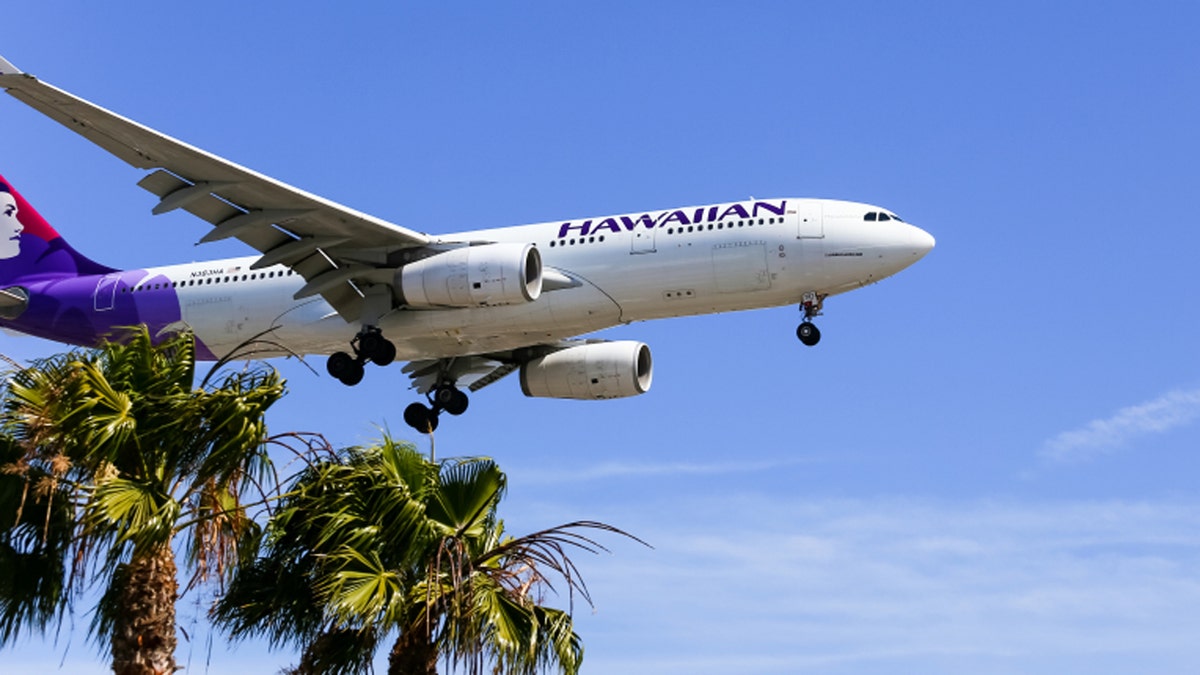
[463,309]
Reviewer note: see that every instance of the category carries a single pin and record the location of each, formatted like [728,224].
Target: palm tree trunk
[413,654]
[143,638]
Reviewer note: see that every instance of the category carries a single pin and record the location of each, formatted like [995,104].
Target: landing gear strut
[807,331]
[445,397]
[368,345]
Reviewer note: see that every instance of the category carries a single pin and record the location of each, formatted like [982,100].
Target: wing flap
[473,372]
[216,211]
[481,370]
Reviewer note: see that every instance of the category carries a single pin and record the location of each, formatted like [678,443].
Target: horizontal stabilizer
[13,301]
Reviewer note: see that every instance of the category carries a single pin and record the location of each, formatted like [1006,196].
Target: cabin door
[106,292]
[810,220]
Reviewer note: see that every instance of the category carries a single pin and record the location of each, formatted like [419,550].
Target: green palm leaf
[111,455]
[382,540]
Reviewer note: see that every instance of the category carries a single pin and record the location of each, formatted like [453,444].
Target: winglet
[7,68]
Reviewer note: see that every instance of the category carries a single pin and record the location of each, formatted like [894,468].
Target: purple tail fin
[30,249]
[49,290]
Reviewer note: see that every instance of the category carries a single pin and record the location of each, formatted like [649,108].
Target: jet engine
[473,276]
[590,371]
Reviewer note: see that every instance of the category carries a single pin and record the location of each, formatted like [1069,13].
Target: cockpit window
[882,215]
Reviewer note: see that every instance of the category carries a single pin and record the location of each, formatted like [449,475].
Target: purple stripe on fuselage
[84,310]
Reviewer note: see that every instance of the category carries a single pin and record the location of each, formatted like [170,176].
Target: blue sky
[988,465]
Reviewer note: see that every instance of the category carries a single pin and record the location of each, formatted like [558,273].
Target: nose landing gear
[807,331]
[368,345]
[444,397]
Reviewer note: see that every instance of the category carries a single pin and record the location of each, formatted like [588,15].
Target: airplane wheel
[450,399]
[385,353]
[377,348]
[808,334]
[458,402]
[354,375]
[342,367]
[420,417]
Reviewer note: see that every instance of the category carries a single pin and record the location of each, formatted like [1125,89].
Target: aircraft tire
[420,417]
[342,367]
[384,353]
[808,334]
[457,403]
[377,348]
[354,375]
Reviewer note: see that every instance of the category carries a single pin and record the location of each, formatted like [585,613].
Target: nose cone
[920,241]
[906,245]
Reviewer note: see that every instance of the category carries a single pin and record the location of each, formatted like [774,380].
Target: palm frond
[114,452]
[468,491]
[136,512]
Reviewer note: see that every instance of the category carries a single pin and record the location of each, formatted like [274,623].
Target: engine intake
[590,371]
[473,276]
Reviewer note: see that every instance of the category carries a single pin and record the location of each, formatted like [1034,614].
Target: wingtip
[7,68]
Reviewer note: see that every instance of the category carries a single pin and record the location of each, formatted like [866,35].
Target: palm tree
[382,540]
[111,458]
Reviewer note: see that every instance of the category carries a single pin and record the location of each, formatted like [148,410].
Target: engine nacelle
[473,276]
[590,371]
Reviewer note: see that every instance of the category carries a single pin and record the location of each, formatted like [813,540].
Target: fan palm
[382,540]
[111,458]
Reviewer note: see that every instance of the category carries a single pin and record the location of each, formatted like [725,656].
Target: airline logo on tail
[30,248]
[11,226]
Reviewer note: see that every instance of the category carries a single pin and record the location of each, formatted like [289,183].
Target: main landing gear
[444,397]
[807,331]
[368,345]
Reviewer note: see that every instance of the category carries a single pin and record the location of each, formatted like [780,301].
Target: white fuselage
[690,265]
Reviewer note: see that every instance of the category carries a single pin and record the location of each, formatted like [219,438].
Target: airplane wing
[330,245]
